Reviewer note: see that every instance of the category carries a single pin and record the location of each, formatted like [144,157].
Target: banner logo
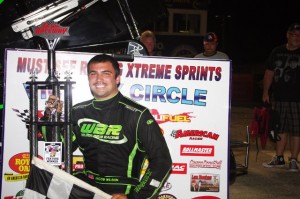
[206,164]
[179,168]
[205,182]
[167,186]
[163,118]
[19,163]
[197,150]
[194,134]
[166,196]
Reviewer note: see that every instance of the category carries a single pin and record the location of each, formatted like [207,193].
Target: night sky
[250,29]
[247,30]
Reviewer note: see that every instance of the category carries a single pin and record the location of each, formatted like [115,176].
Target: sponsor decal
[204,182]
[144,181]
[135,48]
[19,195]
[179,168]
[194,134]
[50,30]
[167,186]
[197,150]
[19,163]
[53,153]
[78,164]
[165,196]
[163,118]
[206,164]
[144,168]
[103,132]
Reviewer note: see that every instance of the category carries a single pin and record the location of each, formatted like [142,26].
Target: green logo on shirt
[103,132]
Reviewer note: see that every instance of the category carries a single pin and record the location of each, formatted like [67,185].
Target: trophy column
[58,124]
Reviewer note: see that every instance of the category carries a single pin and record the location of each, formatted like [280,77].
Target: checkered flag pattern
[24,115]
[48,182]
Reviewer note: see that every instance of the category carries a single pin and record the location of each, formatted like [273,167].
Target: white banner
[189,98]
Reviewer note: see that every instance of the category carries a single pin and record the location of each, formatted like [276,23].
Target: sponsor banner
[189,98]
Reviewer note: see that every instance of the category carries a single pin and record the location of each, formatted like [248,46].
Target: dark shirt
[286,67]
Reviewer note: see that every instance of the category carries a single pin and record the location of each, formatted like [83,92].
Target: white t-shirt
[218,55]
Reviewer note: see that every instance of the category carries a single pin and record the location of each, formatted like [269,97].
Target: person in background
[210,44]
[282,79]
[116,135]
[149,40]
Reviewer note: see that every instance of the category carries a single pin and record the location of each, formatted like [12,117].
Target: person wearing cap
[149,40]
[282,79]
[210,44]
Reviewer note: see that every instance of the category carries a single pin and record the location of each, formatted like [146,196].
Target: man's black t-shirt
[286,67]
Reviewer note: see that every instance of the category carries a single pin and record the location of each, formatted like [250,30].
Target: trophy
[53,109]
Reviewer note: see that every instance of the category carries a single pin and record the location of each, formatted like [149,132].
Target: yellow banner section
[9,177]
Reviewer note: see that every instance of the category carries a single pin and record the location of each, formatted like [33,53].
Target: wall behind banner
[189,98]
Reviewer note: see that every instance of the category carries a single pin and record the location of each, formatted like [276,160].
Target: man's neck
[292,47]
[210,54]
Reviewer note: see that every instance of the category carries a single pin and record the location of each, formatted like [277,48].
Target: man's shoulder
[82,104]
[131,104]
[200,55]
[222,55]
[279,48]
[218,55]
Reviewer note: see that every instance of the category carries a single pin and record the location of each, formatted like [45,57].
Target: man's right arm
[268,78]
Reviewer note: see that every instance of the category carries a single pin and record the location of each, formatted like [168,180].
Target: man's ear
[118,79]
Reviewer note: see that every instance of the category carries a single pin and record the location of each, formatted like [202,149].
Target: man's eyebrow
[107,71]
[104,71]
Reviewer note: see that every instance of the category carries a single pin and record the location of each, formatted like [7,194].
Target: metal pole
[125,19]
[56,129]
[51,44]
[68,131]
[51,66]
[33,120]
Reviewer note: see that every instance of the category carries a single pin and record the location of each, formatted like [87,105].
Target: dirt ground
[260,182]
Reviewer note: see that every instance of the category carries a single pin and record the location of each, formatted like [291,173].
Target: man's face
[149,44]
[294,38]
[210,47]
[102,80]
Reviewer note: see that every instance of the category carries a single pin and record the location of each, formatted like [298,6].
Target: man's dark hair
[105,58]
